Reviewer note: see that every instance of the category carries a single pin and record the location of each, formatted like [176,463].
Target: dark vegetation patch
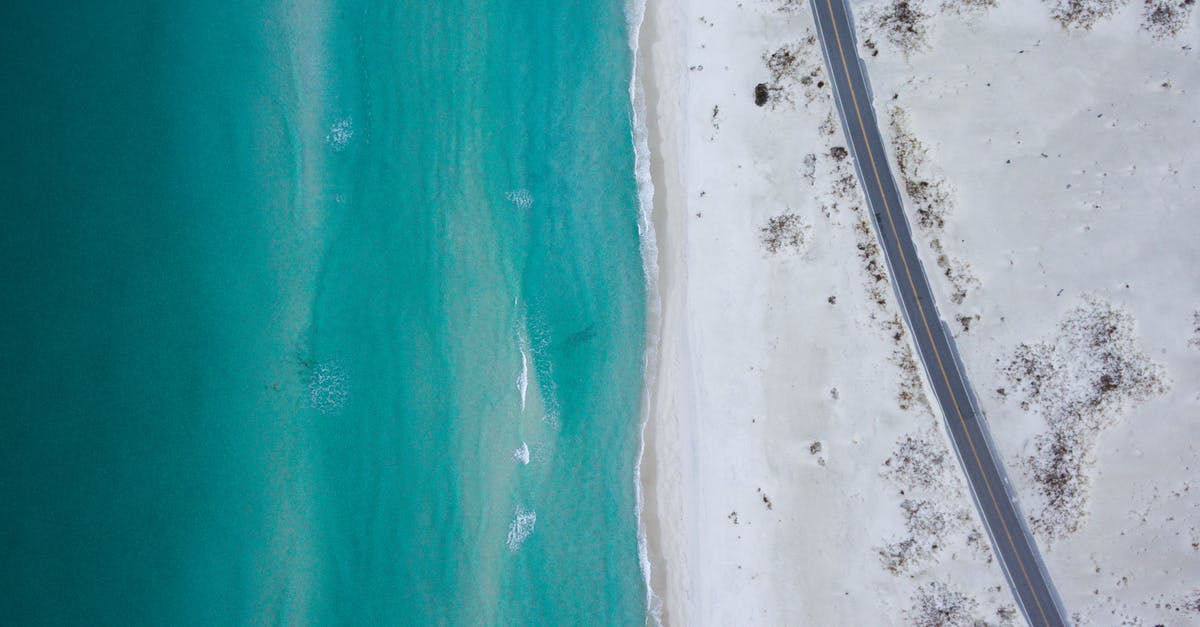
[919,461]
[1082,14]
[1195,341]
[937,604]
[1081,381]
[921,469]
[1192,602]
[958,273]
[968,6]
[1166,18]
[904,23]
[966,321]
[795,69]
[928,191]
[785,232]
[762,93]
[932,201]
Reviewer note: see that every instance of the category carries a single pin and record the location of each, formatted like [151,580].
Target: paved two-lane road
[1013,544]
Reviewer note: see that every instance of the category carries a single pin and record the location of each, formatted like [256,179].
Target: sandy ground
[793,472]
[1070,157]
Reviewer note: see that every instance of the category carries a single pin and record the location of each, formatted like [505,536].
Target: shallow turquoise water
[270,275]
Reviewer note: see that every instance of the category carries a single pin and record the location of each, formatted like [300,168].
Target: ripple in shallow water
[327,390]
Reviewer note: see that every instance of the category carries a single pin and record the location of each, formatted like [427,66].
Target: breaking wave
[520,528]
[635,12]
[521,454]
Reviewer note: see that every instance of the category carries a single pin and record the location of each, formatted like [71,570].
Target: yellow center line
[924,320]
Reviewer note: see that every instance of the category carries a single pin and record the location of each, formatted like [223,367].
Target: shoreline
[749,458]
[648,242]
[663,301]
[789,463]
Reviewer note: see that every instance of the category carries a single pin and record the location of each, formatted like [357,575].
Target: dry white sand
[1073,163]
[773,473]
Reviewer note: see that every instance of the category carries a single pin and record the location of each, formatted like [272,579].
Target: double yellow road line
[924,320]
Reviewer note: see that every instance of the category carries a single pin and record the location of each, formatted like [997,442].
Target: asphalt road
[1012,543]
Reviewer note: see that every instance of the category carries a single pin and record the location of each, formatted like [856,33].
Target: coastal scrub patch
[904,556]
[785,232]
[963,7]
[843,192]
[931,198]
[796,67]
[978,543]
[762,94]
[925,186]
[1080,381]
[1082,14]
[904,23]
[1191,603]
[912,390]
[828,126]
[937,604]
[810,168]
[1166,18]
[958,272]
[919,468]
[1195,341]
[966,321]
[930,524]
[919,461]
[868,253]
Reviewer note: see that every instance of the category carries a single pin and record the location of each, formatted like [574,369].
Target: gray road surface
[1013,544]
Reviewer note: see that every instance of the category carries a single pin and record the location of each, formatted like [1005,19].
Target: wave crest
[520,528]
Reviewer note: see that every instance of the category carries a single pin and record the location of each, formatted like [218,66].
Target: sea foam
[523,377]
[521,454]
[522,198]
[635,12]
[327,389]
[520,528]
[340,134]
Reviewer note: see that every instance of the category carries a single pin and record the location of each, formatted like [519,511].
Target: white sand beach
[794,472]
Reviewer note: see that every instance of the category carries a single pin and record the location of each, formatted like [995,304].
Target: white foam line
[523,378]
[635,11]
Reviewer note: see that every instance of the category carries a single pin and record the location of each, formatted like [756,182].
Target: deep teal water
[269,272]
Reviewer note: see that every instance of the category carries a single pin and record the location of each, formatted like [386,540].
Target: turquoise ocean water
[319,313]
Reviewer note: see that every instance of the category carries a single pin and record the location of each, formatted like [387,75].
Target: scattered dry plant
[1081,382]
[1082,14]
[1166,18]
[785,232]
[904,23]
